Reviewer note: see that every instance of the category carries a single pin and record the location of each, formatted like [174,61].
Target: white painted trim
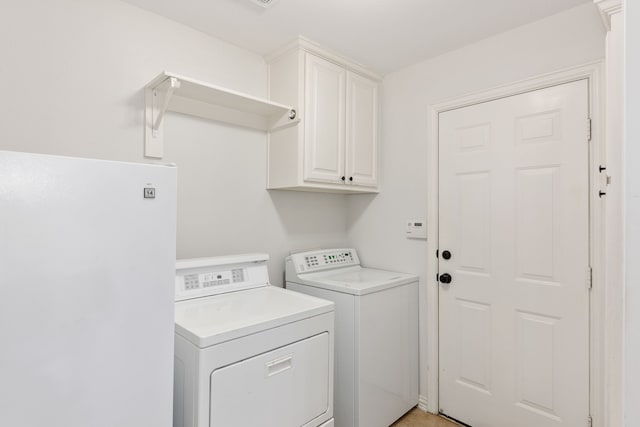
[614,225]
[308,45]
[606,9]
[422,403]
[598,301]
[433,306]
[594,73]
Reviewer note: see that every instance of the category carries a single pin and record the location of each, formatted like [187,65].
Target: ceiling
[384,35]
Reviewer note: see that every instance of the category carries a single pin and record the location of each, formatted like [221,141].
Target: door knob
[446,254]
[445,278]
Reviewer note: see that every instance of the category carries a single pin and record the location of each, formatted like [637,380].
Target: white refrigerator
[87,267]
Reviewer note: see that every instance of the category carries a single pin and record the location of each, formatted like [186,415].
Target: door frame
[593,72]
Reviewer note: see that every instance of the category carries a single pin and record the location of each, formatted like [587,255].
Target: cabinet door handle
[343,178]
[350,179]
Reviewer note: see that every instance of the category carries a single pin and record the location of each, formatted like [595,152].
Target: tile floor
[418,418]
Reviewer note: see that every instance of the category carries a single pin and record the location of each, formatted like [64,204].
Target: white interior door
[514,215]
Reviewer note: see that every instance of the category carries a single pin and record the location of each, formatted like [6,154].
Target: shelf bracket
[157,99]
[161,97]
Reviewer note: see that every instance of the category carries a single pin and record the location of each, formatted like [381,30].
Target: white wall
[71,79]
[376,224]
[632,212]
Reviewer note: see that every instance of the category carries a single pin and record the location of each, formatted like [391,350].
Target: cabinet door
[362,131]
[324,145]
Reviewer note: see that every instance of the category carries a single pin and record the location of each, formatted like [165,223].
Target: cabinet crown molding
[607,8]
[308,45]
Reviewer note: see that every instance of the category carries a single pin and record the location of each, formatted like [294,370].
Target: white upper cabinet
[334,146]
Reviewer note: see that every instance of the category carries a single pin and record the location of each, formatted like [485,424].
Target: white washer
[376,376]
[248,353]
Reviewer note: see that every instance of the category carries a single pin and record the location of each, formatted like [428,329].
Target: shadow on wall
[307,221]
[134,106]
[307,213]
[358,203]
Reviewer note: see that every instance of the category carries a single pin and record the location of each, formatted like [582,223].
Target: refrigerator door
[87,270]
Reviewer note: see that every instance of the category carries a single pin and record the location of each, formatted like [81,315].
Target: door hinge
[590,278]
[589,421]
[589,127]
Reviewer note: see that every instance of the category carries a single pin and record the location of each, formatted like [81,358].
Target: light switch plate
[416,229]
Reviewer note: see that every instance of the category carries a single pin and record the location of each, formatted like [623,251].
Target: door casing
[593,72]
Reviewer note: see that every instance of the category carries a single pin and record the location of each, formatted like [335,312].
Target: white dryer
[248,353]
[376,315]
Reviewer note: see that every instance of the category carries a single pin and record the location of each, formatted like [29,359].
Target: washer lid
[356,280]
[215,319]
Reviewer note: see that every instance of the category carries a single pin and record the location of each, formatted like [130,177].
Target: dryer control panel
[202,277]
[324,259]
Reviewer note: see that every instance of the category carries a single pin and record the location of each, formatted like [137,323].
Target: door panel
[514,321]
[474,345]
[325,121]
[536,213]
[534,381]
[473,221]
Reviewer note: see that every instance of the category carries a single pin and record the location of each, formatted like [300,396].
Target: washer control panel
[211,276]
[324,259]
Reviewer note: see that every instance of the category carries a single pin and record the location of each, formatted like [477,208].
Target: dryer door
[286,387]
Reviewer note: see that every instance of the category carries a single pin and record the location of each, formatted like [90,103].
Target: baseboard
[422,403]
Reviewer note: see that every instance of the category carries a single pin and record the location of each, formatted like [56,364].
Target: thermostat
[416,229]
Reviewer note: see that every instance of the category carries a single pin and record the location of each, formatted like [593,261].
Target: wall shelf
[172,92]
